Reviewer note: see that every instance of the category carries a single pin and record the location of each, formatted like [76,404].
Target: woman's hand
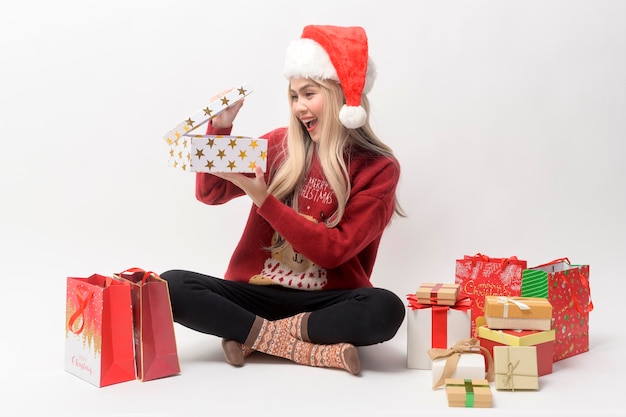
[254,187]
[225,119]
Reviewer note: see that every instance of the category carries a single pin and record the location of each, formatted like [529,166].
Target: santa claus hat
[335,53]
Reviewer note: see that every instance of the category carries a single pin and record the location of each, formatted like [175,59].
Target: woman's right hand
[224,120]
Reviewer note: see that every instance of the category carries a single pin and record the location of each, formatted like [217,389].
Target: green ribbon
[469,391]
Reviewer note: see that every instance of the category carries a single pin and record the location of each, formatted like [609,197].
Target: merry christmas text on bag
[99,330]
[566,287]
[156,354]
[481,275]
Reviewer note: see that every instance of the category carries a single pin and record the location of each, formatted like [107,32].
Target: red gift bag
[99,330]
[156,355]
[481,275]
[566,286]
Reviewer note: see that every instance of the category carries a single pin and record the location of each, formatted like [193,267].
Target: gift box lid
[468,393]
[516,367]
[207,113]
[438,293]
[516,337]
[517,307]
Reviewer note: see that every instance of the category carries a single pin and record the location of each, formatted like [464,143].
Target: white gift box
[214,153]
[457,326]
[217,153]
[470,366]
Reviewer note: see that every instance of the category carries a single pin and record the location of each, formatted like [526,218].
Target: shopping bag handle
[480,257]
[504,262]
[585,282]
[556,261]
[80,311]
[146,274]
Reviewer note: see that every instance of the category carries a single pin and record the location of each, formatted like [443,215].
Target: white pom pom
[352,117]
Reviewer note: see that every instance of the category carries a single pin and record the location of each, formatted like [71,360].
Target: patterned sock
[275,338]
[235,352]
[298,326]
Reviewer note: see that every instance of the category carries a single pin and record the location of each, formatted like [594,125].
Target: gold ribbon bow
[453,355]
[507,300]
[508,376]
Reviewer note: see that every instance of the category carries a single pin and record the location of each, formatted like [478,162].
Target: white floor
[34,381]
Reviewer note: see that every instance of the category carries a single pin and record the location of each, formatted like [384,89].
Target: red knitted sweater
[317,257]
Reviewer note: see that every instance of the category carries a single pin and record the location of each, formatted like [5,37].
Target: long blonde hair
[333,150]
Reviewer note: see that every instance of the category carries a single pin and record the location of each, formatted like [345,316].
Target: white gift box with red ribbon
[431,326]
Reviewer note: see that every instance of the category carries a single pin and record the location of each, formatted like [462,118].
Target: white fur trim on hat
[307,59]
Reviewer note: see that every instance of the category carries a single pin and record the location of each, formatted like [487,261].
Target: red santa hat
[335,53]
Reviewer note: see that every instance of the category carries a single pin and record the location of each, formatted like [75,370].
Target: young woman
[298,284]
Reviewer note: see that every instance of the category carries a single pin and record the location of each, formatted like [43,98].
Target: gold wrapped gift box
[515,367]
[438,294]
[472,393]
[524,313]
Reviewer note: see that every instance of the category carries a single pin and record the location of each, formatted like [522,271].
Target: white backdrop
[507,118]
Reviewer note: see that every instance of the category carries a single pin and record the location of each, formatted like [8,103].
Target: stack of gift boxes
[510,345]
[439,326]
[521,324]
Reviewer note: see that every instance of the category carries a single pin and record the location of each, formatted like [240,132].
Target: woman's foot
[235,352]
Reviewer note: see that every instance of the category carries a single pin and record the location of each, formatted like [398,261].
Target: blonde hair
[333,149]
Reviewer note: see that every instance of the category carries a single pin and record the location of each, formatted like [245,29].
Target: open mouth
[310,124]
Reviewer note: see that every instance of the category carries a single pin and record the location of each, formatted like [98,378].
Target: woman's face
[307,104]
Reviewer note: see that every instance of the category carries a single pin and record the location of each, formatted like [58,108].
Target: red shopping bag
[156,354]
[99,330]
[481,275]
[567,288]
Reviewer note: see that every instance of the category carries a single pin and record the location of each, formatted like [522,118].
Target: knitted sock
[276,338]
[235,352]
[298,326]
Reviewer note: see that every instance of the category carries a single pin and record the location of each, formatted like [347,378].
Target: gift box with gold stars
[214,153]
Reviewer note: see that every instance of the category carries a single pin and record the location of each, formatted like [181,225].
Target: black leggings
[227,309]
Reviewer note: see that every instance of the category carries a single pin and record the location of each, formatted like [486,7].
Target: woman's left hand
[254,187]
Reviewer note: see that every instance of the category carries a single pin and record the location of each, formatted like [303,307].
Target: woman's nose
[299,107]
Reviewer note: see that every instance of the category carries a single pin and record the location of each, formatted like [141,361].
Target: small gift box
[465,360]
[438,294]
[515,367]
[544,341]
[207,153]
[473,393]
[216,153]
[431,326]
[524,313]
